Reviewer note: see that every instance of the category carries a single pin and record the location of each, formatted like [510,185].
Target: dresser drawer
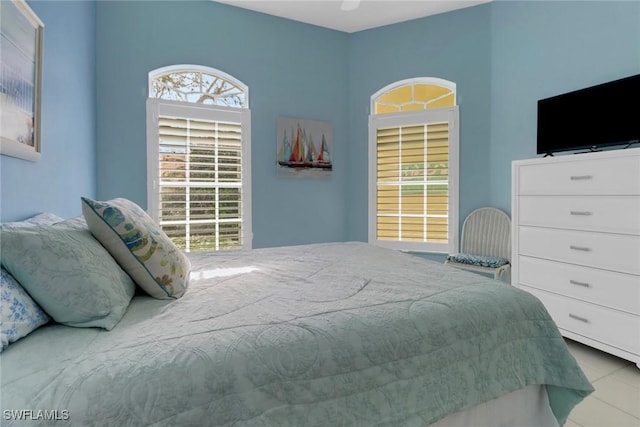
[609,326]
[615,290]
[613,214]
[609,176]
[616,252]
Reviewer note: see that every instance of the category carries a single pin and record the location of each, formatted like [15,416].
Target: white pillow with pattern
[141,248]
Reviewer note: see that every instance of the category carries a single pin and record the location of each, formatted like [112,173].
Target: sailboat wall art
[305,148]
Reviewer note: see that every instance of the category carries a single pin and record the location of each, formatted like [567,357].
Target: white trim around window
[449,115]
[157,108]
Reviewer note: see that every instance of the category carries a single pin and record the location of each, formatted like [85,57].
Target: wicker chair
[485,246]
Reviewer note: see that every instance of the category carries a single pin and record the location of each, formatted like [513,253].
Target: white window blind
[412,195]
[199,174]
[200,186]
[412,180]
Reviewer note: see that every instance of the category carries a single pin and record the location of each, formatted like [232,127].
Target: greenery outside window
[198,133]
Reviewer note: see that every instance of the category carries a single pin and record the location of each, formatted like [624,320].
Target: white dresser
[576,244]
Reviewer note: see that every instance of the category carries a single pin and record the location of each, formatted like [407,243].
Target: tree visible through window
[199,185]
[197,87]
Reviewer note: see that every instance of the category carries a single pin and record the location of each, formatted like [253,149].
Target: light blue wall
[503,55]
[66,169]
[291,69]
[542,49]
[454,46]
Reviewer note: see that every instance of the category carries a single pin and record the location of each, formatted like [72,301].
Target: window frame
[158,107]
[407,118]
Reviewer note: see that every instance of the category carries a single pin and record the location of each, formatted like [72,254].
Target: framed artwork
[304,148]
[21,33]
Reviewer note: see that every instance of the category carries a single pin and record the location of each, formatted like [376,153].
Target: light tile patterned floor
[616,399]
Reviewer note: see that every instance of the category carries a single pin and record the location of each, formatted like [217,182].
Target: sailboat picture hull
[305,165]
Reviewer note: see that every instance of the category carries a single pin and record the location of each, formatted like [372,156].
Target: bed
[337,334]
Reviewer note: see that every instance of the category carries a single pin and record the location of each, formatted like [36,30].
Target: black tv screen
[603,115]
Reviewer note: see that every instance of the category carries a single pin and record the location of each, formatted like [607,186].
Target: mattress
[318,335]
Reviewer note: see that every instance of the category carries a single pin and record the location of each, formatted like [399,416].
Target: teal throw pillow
[68,273]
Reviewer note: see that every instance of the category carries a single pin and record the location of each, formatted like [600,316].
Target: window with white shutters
[413,167]
[199,185]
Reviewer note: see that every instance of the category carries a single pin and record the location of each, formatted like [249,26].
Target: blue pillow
[479,260]
[19,314]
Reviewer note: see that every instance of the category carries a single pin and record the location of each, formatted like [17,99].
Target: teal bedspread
[342,334]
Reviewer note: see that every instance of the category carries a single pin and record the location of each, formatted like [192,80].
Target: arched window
[198,85]
[413,166]
[198,145]
[414,94]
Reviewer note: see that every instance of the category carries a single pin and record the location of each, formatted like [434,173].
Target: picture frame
[21,38]
[304,148]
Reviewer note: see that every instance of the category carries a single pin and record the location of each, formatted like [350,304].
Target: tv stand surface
[593,149]
[596,149]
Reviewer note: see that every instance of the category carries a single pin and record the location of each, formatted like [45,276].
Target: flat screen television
[604,115]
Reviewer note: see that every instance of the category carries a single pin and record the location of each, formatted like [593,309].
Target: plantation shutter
[413,160]
[412,192]
[200,186]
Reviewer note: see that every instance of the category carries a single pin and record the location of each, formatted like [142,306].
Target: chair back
[487,231]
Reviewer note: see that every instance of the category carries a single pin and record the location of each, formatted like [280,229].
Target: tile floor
[616,399]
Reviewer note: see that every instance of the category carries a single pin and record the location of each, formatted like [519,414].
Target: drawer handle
[580,177]
[580,248]
[581,213]
[580,318]
[583,284]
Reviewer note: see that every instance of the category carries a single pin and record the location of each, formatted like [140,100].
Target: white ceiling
[365,14]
